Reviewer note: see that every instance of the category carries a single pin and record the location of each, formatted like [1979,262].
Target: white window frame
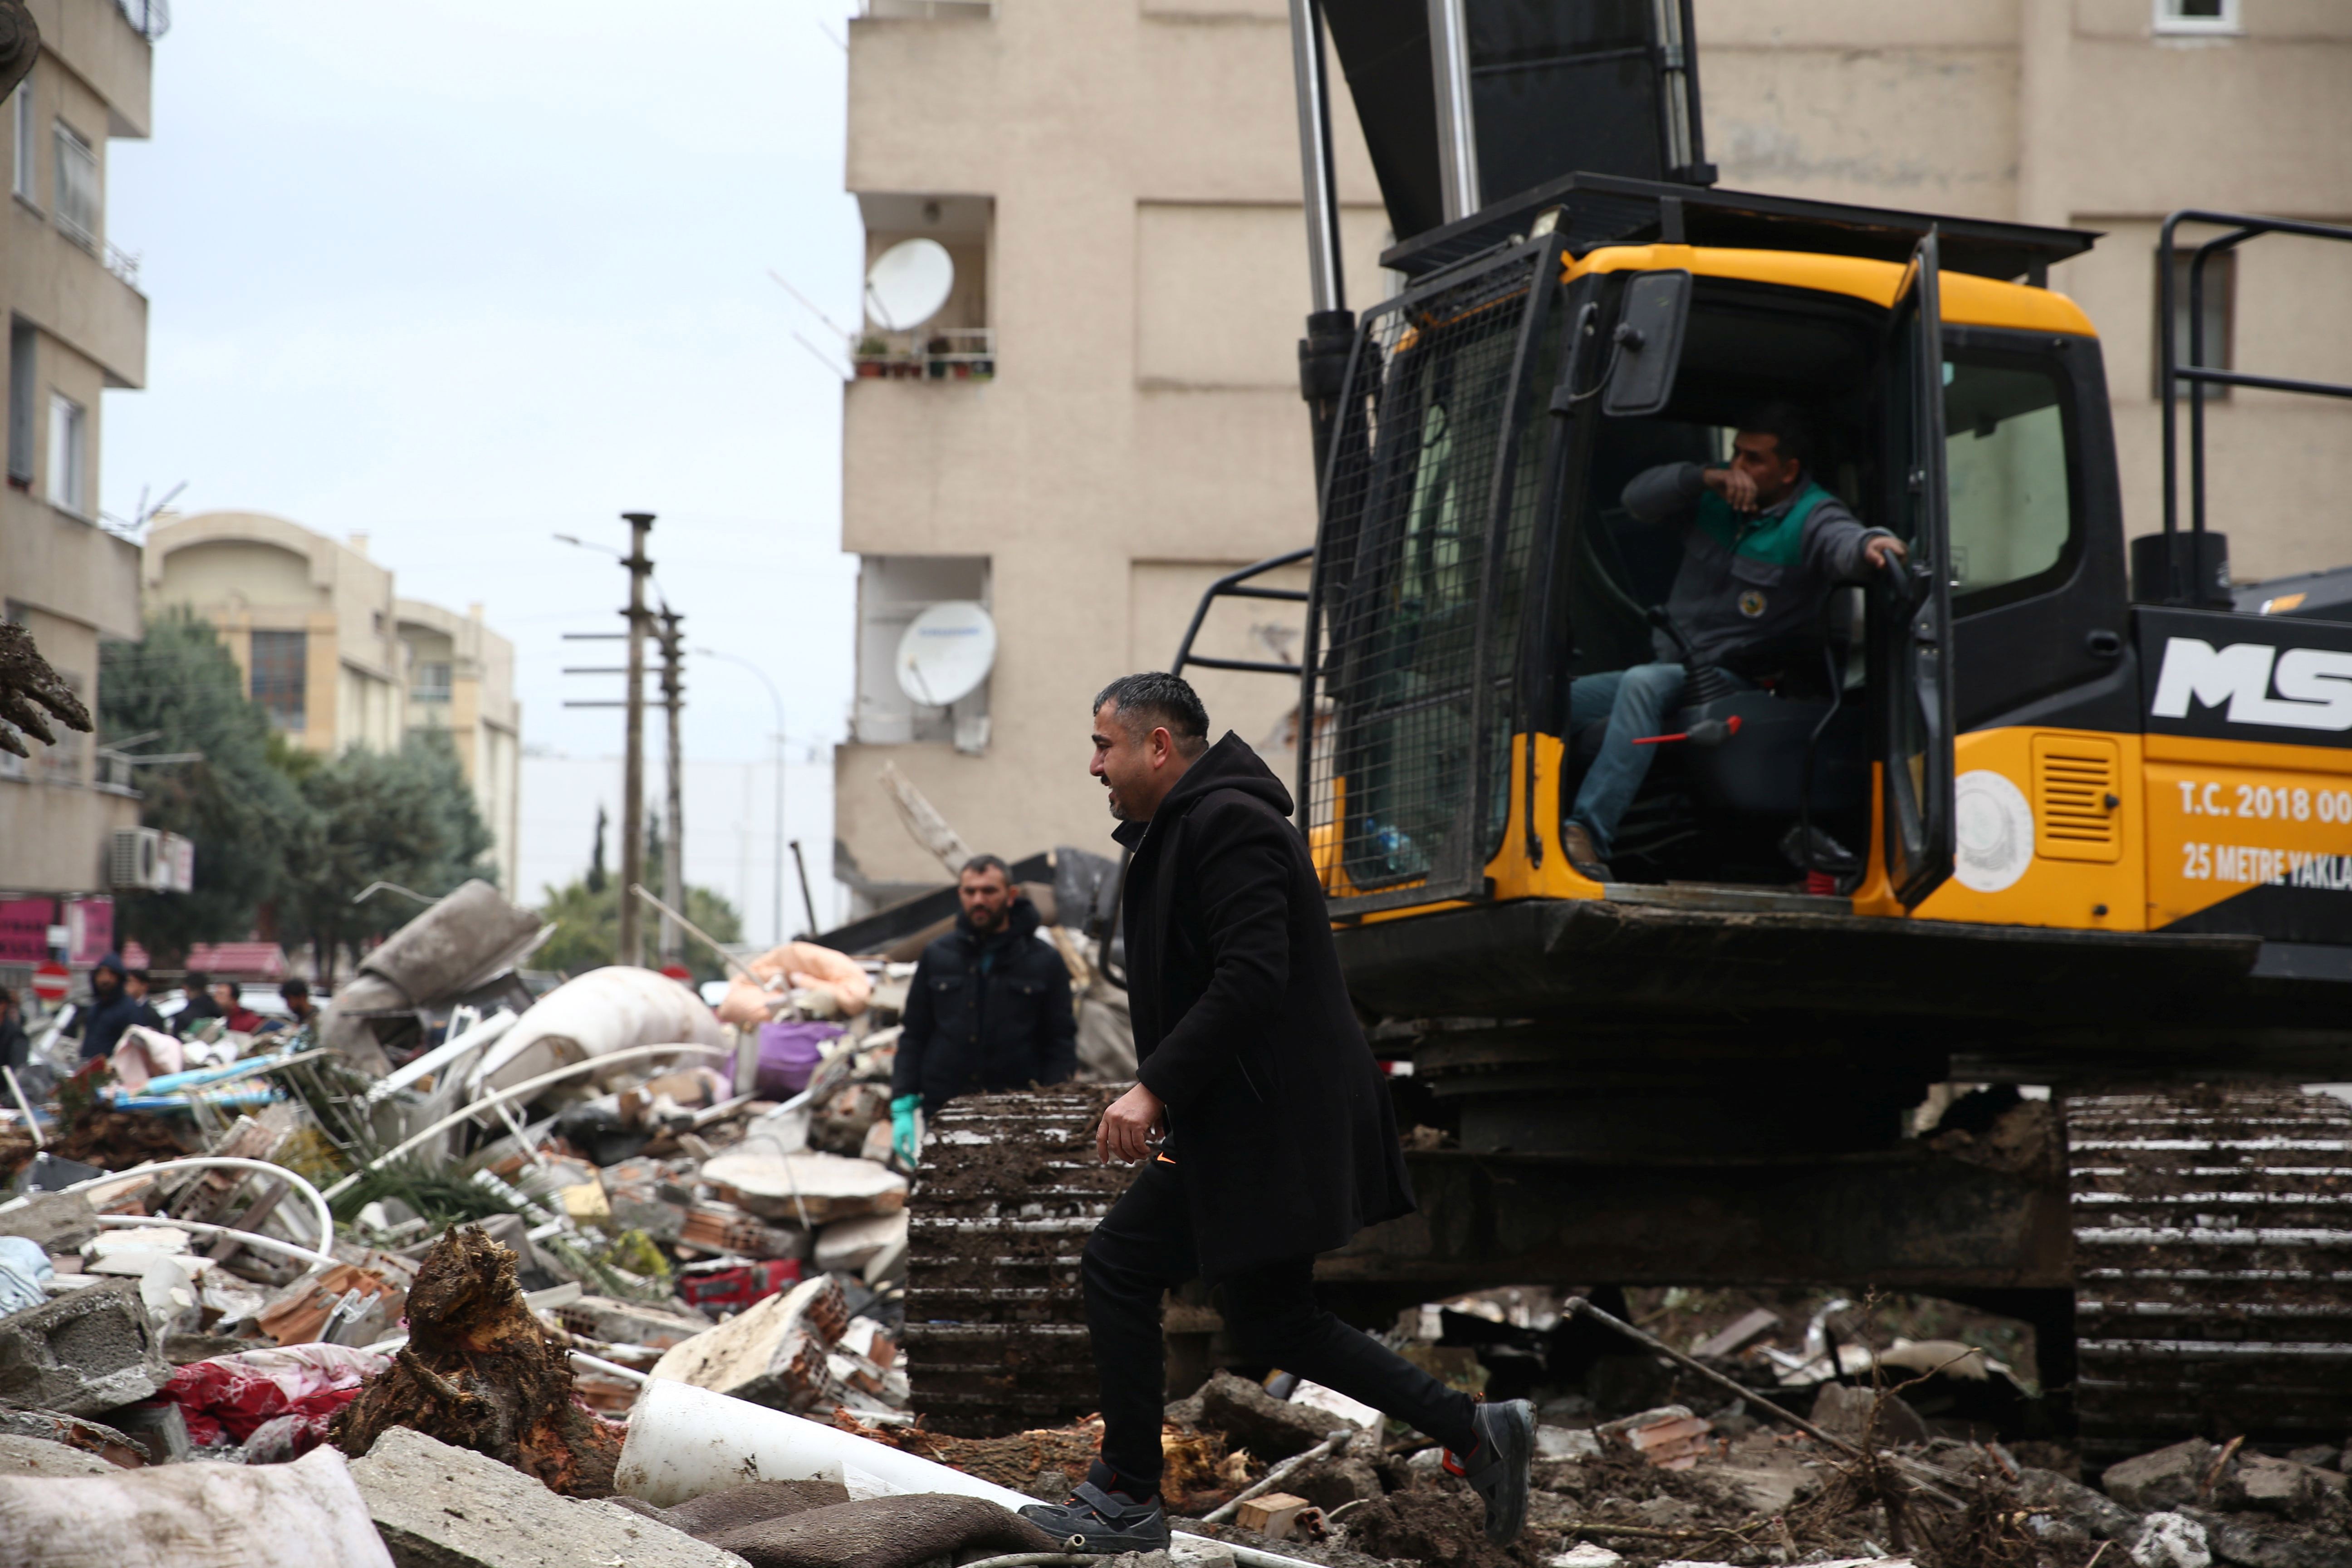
[76,161]
[69,476]
[2170,23]
[26,154]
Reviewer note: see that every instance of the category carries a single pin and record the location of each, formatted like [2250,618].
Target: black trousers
[1143,1248]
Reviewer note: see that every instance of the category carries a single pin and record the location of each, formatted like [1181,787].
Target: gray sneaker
[1496,1468]
[1106,1523]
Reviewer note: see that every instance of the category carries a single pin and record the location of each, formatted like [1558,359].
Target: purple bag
[789,1053]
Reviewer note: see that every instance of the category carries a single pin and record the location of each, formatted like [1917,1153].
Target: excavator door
[1911,602]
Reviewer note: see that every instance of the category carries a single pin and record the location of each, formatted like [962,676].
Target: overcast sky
[462,276]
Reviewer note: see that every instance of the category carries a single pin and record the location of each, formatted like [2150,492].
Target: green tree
[405,816]
[179,683]
[586,914]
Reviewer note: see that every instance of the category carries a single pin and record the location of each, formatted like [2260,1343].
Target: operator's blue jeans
[1636,702]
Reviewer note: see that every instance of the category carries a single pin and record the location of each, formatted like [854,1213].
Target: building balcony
[930,353]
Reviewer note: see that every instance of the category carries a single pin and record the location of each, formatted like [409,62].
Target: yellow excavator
[2041,806]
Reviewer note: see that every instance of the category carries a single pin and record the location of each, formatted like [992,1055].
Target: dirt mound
[1444,1528]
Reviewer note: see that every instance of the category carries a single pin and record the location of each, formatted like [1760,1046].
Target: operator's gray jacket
[1749,585]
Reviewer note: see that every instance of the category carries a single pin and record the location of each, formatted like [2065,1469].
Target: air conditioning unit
[135,859]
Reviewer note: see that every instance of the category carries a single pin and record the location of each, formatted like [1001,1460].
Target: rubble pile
[475,1270]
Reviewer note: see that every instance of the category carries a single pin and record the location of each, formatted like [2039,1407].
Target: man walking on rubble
[1262,1120]
[988,1008]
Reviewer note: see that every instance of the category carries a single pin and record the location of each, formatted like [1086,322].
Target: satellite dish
[907,284]
[946,653]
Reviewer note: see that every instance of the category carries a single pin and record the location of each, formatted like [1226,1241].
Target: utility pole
[633,764]
[673,940]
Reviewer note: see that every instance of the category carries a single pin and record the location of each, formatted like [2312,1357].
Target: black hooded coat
[986,1013]
[106,1015]
[1279,1122]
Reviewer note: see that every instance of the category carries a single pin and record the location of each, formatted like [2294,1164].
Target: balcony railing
[931,10]
[934,354]
[123,264]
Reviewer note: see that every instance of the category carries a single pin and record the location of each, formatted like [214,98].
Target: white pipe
[259,1243]
[40,1140]
[684,1441]
[615,1368]
[485,1032]
[386,1347]
[225,1162]
[523,1091]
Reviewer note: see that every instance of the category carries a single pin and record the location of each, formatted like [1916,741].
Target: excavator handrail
[2182,571]
[1228,586]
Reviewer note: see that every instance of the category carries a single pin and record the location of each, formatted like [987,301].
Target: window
[22,386]
[281,677]
[432,683]
[2005,459]
[2208,17]
[20,118]
[69,455]
[77,189]
[2218,328]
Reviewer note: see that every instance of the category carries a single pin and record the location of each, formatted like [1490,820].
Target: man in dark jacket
[988,1008]
[1763,544]
[111,1009]
[198,989]
[1262,1121]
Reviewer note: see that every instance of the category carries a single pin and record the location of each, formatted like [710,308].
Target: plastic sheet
[228,1398]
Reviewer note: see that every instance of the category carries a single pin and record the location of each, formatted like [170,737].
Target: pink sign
[89,925]
[24,930]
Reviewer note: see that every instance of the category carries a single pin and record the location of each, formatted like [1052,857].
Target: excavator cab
[1475,556]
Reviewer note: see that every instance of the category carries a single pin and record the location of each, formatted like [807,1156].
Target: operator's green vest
[1774,541]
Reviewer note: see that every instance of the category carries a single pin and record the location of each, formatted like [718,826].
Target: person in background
[137,983]
[232,1010]
[112,1009]
[988,1008]
[197,989]
[296,994]
[15,1044]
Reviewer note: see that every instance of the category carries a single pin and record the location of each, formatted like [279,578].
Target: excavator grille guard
[1428,506]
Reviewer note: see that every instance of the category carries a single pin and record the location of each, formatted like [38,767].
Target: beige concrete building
[313,623]
[1123,178]
[77,327]
[461,681]
[336,657]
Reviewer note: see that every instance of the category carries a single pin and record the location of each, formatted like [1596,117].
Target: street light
[777,697]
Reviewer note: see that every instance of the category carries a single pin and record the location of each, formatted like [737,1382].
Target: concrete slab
[441,1507]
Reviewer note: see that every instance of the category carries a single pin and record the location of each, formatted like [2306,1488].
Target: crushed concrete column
[82,1353]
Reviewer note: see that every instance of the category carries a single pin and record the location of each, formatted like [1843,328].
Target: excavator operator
[1763,544]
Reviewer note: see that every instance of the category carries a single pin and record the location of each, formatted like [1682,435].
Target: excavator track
[996,1328]
[2212,1266]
